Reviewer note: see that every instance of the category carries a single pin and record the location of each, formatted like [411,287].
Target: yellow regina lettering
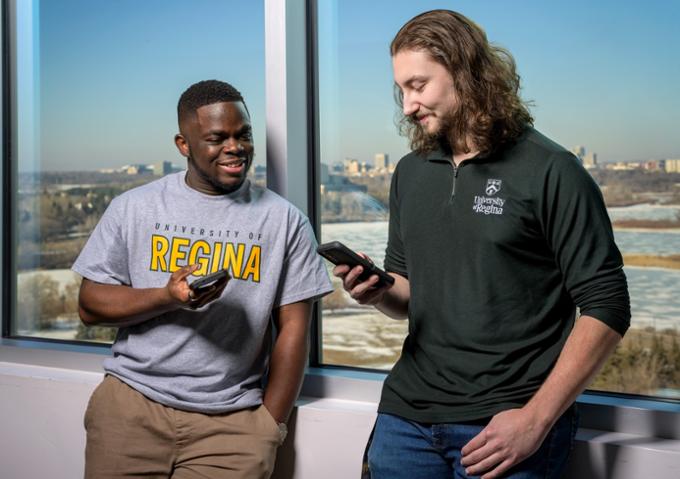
[170,254]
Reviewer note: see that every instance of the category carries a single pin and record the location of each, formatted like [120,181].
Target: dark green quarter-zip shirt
[499,251]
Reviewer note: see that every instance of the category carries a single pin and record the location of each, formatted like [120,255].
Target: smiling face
[217,141]
[427,89]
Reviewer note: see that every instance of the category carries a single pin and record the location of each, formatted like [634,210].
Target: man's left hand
[510,437]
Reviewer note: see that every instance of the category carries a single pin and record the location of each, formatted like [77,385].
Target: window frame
[5,170]
[292,171]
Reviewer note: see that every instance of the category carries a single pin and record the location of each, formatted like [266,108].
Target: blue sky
[112,71]
[601,74]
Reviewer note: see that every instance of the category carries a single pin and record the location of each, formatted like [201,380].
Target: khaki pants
[129,435]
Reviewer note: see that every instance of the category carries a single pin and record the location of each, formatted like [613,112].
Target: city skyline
[600,75]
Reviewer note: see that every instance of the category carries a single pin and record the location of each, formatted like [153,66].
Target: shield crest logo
[493,186]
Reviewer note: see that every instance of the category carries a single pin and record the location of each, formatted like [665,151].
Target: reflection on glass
[639,179]
[95,115]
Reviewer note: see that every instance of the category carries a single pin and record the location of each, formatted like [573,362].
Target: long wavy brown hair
[489,112]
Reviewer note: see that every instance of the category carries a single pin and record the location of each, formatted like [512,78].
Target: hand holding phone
[207,288]
[205,282]
[337,253]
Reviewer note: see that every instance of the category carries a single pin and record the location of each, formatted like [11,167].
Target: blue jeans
[411,450]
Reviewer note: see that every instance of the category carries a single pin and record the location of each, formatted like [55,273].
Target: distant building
[623,166]
[162,168]
[352,167]
[381,161]
[158,169]
[136,169]
[653,165]
[590,160]
[672,165]
[579,151]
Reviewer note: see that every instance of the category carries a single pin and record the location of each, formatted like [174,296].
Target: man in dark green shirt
[496,236]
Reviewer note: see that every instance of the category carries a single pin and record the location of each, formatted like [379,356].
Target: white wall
[41,432]
[327,439]
[41,421]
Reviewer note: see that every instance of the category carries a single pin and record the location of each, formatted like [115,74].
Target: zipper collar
[439,155]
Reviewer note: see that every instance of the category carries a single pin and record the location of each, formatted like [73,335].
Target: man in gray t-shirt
[184,393]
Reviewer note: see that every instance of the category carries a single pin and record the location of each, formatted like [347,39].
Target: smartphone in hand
[205,282]
[337,253]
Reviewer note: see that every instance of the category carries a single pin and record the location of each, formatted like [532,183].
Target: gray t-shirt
[212,359]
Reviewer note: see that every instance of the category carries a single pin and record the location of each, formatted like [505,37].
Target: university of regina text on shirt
[489,204]
[169,252]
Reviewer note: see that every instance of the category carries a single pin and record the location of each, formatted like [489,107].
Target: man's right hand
[364,292]
[180,292]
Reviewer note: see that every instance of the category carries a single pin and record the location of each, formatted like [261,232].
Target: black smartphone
[338,253]
[208,280]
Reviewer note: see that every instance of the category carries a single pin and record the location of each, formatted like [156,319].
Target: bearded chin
[438,140]
[445,137]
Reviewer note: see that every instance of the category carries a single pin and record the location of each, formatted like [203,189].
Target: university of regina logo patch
[493,186]
[489,204]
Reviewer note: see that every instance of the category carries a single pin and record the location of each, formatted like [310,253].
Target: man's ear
[182,145]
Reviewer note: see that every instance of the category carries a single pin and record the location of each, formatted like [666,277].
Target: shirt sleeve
[304,275]
[578,229]
[104,258]
[395,257]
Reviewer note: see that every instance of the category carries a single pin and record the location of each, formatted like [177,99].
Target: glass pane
[358,148]
[592,84]
[94,114]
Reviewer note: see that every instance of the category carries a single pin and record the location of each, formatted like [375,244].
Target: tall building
[162,168]
[579,151]
[381,161]
[590,160]
[351,167]
[672,165]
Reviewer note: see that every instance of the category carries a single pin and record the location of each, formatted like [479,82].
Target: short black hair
[207,92]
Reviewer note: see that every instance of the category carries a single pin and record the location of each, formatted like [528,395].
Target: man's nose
[409,105]
[232,145]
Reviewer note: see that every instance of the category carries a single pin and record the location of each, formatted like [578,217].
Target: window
[358,148]
[607,95]
[93,113]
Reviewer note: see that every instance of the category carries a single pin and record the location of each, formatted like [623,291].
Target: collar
[241,192]
[440,155]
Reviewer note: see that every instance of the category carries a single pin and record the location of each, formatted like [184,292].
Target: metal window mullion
[292,147]
[286,100]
